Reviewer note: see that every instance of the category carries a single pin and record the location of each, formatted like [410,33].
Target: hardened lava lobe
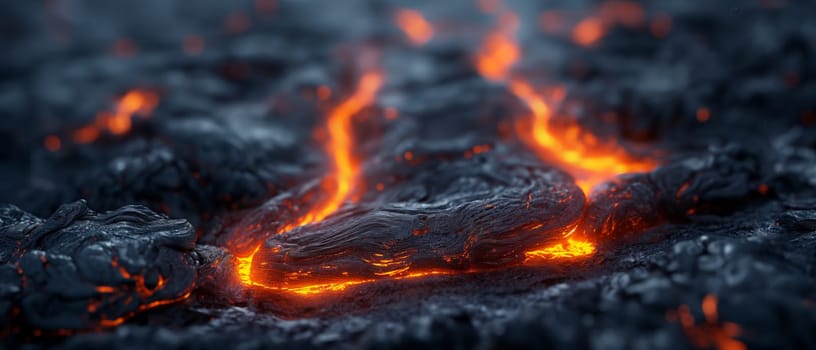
[80,269]
[447,212]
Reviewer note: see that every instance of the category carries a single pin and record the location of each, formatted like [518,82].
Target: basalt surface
[132,233]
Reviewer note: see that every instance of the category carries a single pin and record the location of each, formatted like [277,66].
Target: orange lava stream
[572,248]
[119,121]
[578,152]
[340,147]
[581,155]
[571,148]
[414,25]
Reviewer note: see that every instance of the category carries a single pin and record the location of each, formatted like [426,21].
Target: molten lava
[711,333]
[119,120]
[577,152]
[414,25]
[340,147]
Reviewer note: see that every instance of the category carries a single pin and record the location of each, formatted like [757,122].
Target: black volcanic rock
[79,269]
[721,93]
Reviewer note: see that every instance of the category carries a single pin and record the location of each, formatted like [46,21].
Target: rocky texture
[729,217]
[80,270]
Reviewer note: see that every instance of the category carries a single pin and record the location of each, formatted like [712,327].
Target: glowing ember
[321,288]
[52,143]
[712,333]
[118,121]
[572,248]
[245,267]
[588,32]
[499,51]
[415,27]
[703,114]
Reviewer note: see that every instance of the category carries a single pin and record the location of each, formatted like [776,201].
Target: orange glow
[415,27]
[703,114]
[626,13]
[588,32]
[344,173]
[52,143]
[193,45]
[590,161]
[580,154]
[333,287]
[118,321]
[711,333]
[391,113]
[245,267]
[142,291]
[323,92]
[118,121]
[572,248]
[499,51]
[661,25]
[340,147]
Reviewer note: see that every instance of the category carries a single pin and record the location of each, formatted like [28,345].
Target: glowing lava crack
[340,146]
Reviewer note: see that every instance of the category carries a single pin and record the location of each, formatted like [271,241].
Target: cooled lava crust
[290,174]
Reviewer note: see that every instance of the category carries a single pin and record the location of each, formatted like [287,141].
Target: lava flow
[315,261]
[340,147]
[574,150]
